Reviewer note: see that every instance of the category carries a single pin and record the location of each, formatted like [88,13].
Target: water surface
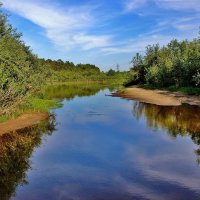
[103,148]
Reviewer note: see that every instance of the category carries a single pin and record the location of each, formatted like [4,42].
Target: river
[98,147]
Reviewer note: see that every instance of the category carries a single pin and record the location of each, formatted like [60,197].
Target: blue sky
[101,32]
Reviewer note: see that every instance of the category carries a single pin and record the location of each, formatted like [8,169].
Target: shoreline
[23,121]
[157,97]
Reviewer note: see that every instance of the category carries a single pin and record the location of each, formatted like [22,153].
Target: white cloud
[186,26]
[179,4]
[90,41]
[64,27]
[134,4]
[156,166]
[49,16]
[131,5]
[165,28]
[138,44]
[75,28]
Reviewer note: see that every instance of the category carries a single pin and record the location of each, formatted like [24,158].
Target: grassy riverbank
[35,108]
[51,94]
[31,105]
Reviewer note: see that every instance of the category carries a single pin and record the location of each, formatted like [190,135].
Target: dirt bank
[23,121]
[157,97]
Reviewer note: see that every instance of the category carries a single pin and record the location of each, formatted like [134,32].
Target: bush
[177,63]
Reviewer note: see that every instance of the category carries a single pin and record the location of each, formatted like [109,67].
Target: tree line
[175,64]
[22,73]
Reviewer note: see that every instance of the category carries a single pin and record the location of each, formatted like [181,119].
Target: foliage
[137,72]
[40,104]
[196,78]
[177,63]
[20,71]
[68,71]
[23,75]
[111,72]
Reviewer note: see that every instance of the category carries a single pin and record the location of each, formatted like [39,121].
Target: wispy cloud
[134,4]
[90,41]
[165,27]
[185,30]
[166,4]
[187,26]
[65,27]
[138,45]
[179,4]
[94,30]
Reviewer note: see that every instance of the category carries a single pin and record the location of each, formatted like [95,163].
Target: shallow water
[106,148]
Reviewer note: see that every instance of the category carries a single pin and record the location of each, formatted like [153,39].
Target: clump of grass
[190,90]
[32,104]
[41,104]
[3,118]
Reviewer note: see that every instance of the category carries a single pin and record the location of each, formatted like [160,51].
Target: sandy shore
[157,97]
[25,120]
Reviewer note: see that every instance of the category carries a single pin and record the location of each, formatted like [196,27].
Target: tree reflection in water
[176,120]
[64,91]
[15,151]
[70,91]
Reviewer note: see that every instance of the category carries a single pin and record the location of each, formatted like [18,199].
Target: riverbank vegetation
[175,66]
[61,71]
[23,76]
